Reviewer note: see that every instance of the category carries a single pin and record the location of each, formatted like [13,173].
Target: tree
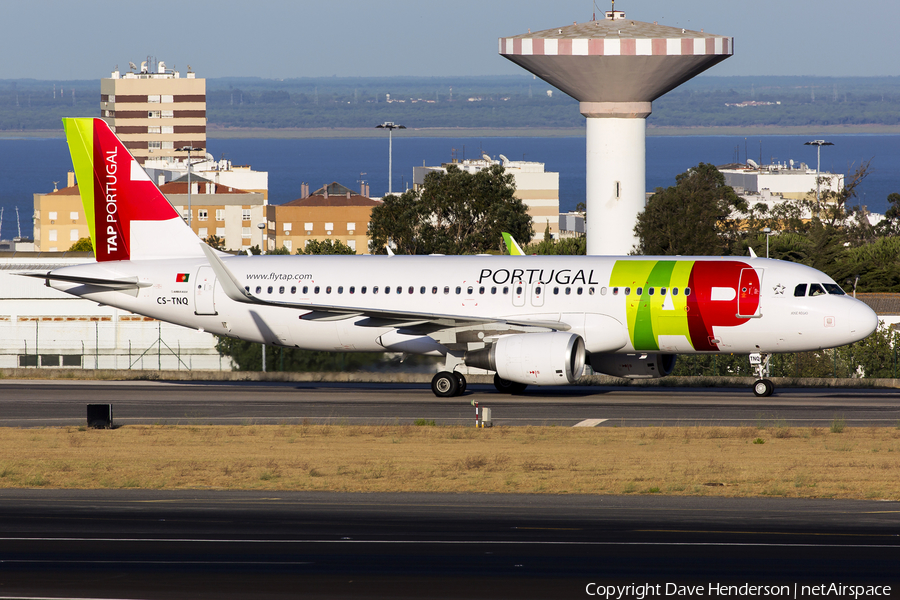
[82,245]
[693,217]
[329,246]
[215,242]
[455,213]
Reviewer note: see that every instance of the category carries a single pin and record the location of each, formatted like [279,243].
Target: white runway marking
[589,423]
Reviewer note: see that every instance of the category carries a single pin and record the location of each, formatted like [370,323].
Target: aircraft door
[204,290]
[519,293]
[749,293]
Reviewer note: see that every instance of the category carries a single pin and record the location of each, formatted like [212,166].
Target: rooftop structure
[155,112]
[789,180]
[615,68]
[537,188]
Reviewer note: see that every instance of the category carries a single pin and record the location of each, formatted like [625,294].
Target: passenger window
[269,290]
[628,291]
[316,290]
[674,291]
[518,290]
[481,290]
[662,291]
[537,291]
[247,287]
[469,290]
[556,291]
[816,290]
[434,290]
[328,290]
[505,290]
[305,289]
[615,291]
[281,290]
[352,289]
[578,291]
[494,290]
[399,290]
[258,289]
[375,289]
[687,291]
[412,290]
[340,289]
[602,291]
[422,290]
[362,290]
[293,289]
[446,289]
[640,291]
[568,291]
[458,290]
[800,290]
[387,289]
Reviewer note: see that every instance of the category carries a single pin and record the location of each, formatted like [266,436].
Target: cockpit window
[816,290]
[834,289]
[800,290]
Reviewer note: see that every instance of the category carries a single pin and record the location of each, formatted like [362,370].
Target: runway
[200,544]
[36,403]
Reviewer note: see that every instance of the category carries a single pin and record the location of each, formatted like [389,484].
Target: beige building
[155,113]
[536,188]
[229,213]
[331,212]
[59,219]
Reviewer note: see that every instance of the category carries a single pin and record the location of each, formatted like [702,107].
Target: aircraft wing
[375,317]
[130,283]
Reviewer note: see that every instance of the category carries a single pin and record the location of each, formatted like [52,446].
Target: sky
[66,40]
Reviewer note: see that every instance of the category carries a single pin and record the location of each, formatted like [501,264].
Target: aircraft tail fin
[511,245]
[129,218]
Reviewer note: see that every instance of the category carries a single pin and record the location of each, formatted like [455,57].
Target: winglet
[752,253]
[511,245]
[230,285]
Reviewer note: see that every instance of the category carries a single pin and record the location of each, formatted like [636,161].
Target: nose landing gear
[762,387]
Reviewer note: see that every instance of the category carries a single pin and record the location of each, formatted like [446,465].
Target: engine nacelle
[553,358]
[634,366]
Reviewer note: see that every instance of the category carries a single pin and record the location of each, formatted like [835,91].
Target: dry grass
[719,461]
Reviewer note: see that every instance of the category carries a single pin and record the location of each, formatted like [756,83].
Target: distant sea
[28,166]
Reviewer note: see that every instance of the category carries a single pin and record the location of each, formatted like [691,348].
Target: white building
[204,166]
[43,327]
[537,188]
[782,179]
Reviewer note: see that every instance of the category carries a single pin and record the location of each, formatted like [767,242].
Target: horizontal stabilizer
[130,283]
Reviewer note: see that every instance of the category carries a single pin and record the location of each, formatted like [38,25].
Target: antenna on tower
[18,225]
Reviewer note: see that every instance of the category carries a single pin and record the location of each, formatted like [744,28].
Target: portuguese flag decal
[182,277]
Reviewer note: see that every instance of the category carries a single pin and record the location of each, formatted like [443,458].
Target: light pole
[189,149]
[262,235]
[818,144]
[390,126]
[768,232]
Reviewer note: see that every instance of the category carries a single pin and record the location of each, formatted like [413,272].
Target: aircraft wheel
[763,388]
[445,384]
[508,387]
[462,383]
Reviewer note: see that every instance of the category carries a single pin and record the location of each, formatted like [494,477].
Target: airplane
[532,320]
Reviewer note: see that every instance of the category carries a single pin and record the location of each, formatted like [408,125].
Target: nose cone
[861,321]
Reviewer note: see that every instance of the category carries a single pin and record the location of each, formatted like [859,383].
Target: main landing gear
[762,387]
[448,383]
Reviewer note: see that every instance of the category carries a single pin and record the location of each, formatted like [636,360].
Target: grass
[710,461]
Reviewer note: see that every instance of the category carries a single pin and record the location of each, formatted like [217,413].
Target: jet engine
[634,366]
[553,358]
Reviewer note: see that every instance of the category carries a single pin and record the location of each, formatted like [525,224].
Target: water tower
[615,68]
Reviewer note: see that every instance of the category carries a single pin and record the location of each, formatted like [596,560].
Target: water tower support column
[616,174]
